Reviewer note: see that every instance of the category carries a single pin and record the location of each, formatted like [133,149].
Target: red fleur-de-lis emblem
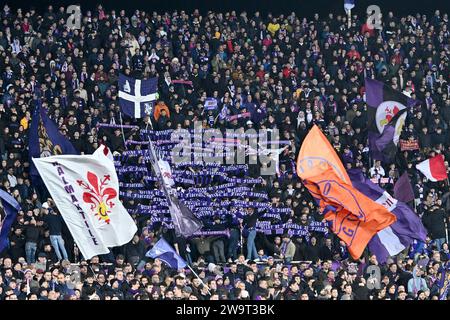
[99,195]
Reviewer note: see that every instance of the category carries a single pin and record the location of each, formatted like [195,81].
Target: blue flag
[136,97]
[7,217]
[45,138]
[163,251]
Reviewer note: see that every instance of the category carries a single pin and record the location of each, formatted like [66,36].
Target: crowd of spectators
[289,72]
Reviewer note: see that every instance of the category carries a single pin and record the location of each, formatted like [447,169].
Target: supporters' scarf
[228,193]
[206,201]
[205,173]
[128,142]
[265,228]
[187,82]
[167,134]
[209,233]
[239,116]
[109,125]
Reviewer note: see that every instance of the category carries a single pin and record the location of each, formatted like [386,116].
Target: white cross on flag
[137,96]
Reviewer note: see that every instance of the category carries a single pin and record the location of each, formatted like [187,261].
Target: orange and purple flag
[354,217]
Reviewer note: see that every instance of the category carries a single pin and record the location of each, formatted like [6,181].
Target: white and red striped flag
[434,168]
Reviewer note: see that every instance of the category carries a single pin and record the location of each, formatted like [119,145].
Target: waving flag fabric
[136,96]
[401,234]
[85,190]
[316,153]
[403,190]
[386,113]
[352,216]
[45,138]
[163,251]
[434,168]
[185,222]
[444,281]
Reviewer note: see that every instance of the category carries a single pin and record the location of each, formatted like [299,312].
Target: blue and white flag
[7,216]
[163,251]
[349,5]
[136,96]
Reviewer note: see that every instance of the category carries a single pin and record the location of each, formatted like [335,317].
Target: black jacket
[32,233]
[135,249]
[312,252]
[54,223]
[433,220]
[326,253]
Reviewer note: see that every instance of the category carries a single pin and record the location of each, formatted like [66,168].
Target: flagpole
[242,240]
[349,18]
[158,170]
[446,229]
[198,277]
[123,133]
[93,272]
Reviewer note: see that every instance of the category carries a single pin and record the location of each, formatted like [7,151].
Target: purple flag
[386,114]
[184,221]
[444,282]
[403,190]
[45,139]
[398,236]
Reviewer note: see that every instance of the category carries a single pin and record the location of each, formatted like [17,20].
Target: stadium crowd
[289,72]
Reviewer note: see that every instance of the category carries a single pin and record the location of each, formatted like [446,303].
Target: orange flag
[353,217]
[316,154]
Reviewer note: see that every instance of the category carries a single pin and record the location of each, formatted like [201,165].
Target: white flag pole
[349,18]
[123,133]
[93,272]
[198,277]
